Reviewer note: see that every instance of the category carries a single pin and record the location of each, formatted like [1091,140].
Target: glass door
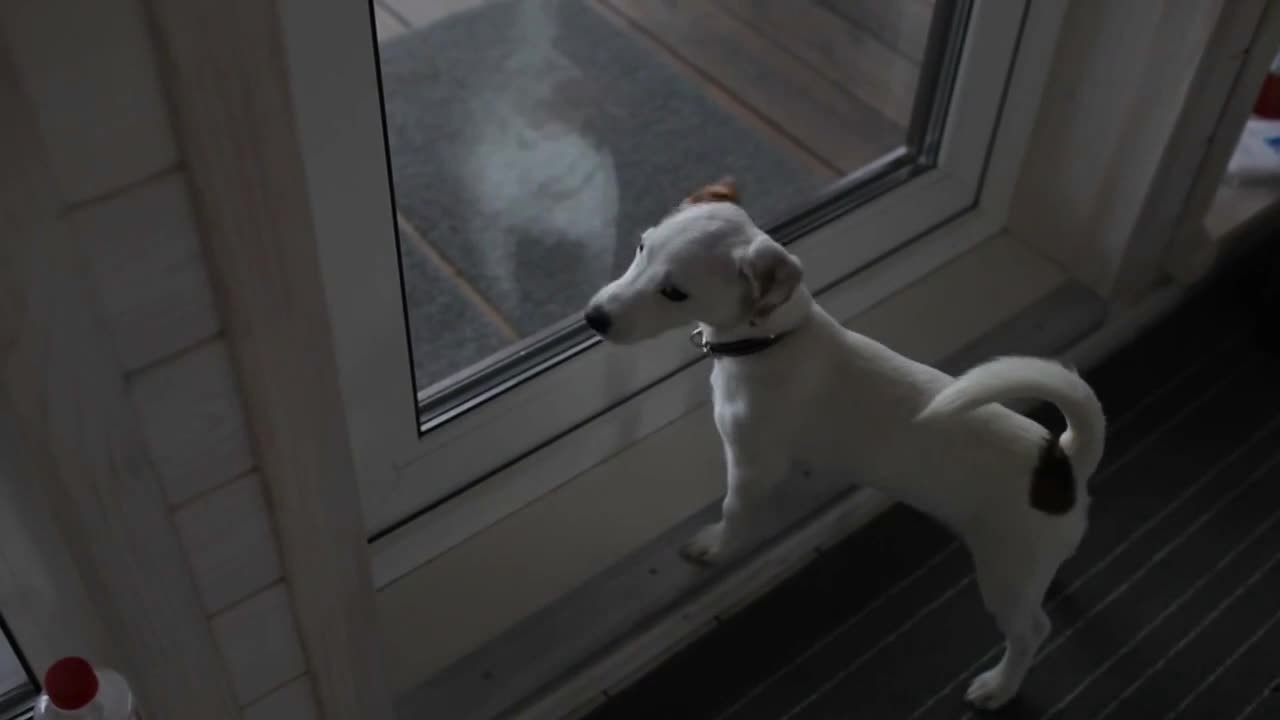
[17,685]
[479,168]
[532,141]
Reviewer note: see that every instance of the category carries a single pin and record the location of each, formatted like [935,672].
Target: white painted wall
[1127,120]
[89,74]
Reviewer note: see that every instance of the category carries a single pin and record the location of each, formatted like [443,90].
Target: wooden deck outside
[830,80]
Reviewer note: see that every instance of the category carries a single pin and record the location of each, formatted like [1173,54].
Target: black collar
[734,348]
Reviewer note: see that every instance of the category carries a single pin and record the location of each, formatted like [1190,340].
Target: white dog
[791,385]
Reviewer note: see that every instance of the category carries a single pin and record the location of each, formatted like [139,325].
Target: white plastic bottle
[75,690]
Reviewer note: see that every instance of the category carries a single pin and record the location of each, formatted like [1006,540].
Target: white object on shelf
[1257,155]
[75,690]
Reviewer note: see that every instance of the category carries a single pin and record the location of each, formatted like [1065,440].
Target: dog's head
[705,262]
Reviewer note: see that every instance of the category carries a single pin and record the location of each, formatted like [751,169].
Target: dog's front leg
[752,474]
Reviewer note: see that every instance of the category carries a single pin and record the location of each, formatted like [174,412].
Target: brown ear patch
[723,190]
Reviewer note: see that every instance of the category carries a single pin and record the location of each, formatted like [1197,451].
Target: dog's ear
[723,190]
[772,272]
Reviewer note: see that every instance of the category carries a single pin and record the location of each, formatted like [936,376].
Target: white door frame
[335,88]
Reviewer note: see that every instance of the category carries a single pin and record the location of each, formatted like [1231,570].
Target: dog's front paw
[705,547]
[991,690]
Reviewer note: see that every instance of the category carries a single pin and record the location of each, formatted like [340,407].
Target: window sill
[1237,217]
[1238,209]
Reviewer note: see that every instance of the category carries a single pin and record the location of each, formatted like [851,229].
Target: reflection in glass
[531,141]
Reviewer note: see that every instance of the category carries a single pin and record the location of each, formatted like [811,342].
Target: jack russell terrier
[790,384]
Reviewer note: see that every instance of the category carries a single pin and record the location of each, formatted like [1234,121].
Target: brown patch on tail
[1053,481]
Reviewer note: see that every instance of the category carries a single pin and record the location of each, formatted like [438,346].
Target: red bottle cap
[1268,102]
[71,683]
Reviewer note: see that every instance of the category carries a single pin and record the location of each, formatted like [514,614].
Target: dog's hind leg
[1013,582]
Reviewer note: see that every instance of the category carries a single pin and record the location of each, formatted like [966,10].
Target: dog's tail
[1025,378]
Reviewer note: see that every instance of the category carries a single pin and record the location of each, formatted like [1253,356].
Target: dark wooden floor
[831,80]
[1171,607]
[834,80]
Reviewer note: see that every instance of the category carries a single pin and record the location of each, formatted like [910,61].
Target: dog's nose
[597,319]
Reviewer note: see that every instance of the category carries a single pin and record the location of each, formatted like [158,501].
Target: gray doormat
[531,142]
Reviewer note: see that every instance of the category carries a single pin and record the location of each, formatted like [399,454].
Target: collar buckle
[699,340]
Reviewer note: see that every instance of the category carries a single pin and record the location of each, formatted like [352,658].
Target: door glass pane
[16,687]
[531,141]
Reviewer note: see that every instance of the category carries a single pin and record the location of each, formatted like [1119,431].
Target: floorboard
[901,24]
[841,51]
[831,123]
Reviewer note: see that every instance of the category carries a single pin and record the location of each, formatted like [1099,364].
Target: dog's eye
[673,293]
[640,248]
